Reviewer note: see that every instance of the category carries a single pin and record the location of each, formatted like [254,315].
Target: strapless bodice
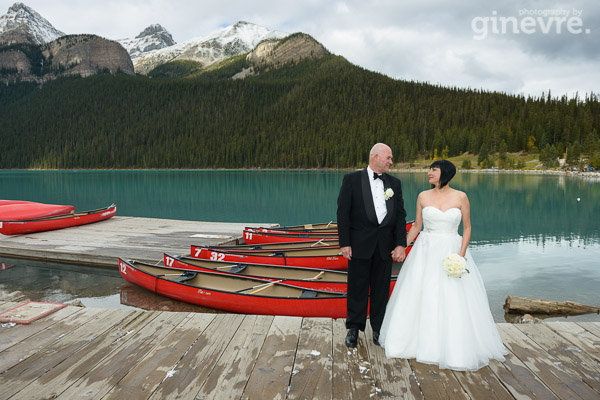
[437,221]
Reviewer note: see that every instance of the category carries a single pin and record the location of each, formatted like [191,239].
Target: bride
[432,316]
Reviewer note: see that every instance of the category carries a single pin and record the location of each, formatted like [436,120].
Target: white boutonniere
[388,193]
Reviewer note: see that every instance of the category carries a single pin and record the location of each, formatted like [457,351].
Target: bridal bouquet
[455,265]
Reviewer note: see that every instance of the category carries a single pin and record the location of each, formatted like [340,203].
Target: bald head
[380,158]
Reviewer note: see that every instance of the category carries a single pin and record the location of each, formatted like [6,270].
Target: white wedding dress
[435,318]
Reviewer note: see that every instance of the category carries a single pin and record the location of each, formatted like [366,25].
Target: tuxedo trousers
[368,282]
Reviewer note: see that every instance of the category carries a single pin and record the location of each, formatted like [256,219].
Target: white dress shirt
[377,189]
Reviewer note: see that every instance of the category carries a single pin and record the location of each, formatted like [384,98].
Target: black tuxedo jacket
[357,220]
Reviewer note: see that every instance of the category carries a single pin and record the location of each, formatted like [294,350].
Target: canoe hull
[334,262]
[277,273]
[21,210]
[265,235]
[57,222]
[326,282]
[332,306]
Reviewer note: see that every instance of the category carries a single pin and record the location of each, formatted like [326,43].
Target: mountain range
[154,46]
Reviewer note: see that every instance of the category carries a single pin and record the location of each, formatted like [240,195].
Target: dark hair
[447,171]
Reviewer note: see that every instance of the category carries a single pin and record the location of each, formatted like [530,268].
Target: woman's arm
[418,224]
[465,208]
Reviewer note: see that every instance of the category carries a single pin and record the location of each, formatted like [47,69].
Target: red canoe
[325,227]
[278,246]
[16,210]
[56,222]
[328,257]
[310,278]
[271,235]
[252,236]
[234,293]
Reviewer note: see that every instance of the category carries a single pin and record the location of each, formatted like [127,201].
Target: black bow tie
[377,176]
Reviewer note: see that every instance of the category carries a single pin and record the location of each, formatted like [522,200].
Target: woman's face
[434,175]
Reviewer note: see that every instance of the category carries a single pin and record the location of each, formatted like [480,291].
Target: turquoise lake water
[533,235]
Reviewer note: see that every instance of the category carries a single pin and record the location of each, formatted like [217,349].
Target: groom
[372,231]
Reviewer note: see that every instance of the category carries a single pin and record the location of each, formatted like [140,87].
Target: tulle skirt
[438,319]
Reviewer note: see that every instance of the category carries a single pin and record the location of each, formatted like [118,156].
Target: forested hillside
[323,113]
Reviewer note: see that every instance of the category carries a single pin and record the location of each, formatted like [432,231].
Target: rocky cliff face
[274,53]
[69,55]
[291,49]
[86,55]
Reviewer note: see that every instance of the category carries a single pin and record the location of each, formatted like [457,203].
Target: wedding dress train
[435,318]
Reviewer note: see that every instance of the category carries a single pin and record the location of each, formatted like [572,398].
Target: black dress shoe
[352,337]
[376,338]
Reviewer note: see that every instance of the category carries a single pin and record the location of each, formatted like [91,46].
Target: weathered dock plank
[521,382]
[229,376]
[115,354]
[86,358]
[270,377]
[436,383]
[18,333]
[44,359]
[592,327]
[98,381]
[565,353]
[38,343]
[189,375]
[102,243]
[312,374]
[483,384]
[394,377]
[566,384]
[580,337]
[159,363]
[352,369]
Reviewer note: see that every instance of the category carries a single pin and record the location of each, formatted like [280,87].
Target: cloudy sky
[515,46]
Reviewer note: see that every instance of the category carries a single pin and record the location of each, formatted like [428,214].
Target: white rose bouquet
[455,266]
[388,193]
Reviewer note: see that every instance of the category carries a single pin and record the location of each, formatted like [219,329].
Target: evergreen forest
[318,113]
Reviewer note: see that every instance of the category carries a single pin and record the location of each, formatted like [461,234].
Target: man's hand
[347,252]
[398,254]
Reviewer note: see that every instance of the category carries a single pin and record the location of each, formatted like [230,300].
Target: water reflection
[505,207]
[532,237]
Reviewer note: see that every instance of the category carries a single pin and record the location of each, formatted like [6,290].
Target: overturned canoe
[16,210]
[234,293]
[56,222]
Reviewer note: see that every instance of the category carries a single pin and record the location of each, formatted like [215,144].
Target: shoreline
[577,174]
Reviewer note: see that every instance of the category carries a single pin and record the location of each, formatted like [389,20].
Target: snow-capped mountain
[233,40]
[154,37]
[26,22]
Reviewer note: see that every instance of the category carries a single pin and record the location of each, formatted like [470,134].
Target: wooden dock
[132,354]
[102,243]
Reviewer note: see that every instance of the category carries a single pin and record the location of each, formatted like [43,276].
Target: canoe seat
[308,294]
[188,275]
[238,268]
[257,247]
[278,254]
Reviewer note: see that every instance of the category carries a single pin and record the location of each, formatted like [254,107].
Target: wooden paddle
[263,286]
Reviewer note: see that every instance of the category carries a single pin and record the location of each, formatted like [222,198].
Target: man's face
[383,161]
